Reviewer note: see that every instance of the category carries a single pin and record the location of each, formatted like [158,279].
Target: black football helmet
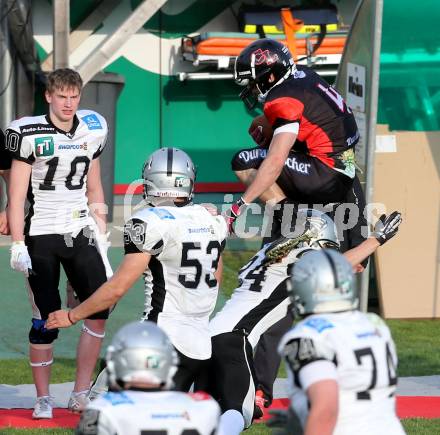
[256,63]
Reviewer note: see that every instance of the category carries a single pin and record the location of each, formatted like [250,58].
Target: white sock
[231,423]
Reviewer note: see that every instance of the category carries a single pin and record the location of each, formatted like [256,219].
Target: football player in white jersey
[261,300]
[341,362]
[176,246]
[56,167]
[141,363]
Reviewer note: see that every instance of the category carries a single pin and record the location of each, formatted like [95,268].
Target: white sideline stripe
[23,396]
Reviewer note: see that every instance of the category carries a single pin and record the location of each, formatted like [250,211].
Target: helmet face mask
[141,354]
[261,66]
[250,95]
[322,282]
[168,174]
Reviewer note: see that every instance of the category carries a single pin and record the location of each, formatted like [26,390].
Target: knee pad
[38,334]
[248,159]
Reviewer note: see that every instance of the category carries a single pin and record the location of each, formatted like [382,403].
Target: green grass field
[415,340]
[415,426]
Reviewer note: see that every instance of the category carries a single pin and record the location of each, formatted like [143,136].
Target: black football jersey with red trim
[327,127]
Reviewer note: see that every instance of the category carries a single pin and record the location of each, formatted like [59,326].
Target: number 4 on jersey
[367,353]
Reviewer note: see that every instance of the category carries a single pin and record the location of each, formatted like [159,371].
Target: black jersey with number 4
[60,162]
[327,127]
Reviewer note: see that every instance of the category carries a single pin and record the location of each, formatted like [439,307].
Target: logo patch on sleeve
[161,213]
[92,122]
[118,398]
[319,324]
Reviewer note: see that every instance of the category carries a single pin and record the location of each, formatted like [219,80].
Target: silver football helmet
[141,352]
[323,282]
[169,173]
[313,229]
[316,229]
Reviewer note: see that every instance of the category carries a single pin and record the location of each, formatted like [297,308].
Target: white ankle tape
[41,364]
[92,333]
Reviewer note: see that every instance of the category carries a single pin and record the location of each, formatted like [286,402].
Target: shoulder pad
[376,320]
[154,214]
[161,213]
[26,120]
[301,351]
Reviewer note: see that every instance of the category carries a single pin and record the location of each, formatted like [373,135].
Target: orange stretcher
[217,44]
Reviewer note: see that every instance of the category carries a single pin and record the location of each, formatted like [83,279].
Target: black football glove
[386,227]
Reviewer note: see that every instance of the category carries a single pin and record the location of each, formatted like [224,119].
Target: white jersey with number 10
[60,162]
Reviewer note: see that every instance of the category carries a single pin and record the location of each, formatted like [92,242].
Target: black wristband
[240,201]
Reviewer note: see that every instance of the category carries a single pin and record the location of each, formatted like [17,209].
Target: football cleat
[100,386]
[43,408]
[279,248]
[78,401]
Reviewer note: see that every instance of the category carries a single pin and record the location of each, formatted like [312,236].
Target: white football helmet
[168,173]
[323,282]
[313,229]
[316,228]
[141,352]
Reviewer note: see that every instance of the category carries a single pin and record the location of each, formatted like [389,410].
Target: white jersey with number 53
[60,161]
[356,350]
[143,413]
[181,290]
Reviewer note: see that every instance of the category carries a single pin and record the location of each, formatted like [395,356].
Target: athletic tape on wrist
[92,333]
[41,364]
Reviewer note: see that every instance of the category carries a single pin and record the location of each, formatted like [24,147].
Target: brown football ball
[261,131]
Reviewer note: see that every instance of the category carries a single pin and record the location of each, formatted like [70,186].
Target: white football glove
[102,242]
[20,260]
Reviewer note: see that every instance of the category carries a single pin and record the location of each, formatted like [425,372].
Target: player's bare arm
[323,397]
[358,254]
[4,227]
[219,272]
[271,167]
[107,295]
[95,195]
[18,186]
